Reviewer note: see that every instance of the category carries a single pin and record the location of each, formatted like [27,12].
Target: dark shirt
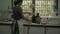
[17,12]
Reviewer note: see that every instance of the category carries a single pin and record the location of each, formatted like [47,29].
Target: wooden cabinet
[5,29]
[42,29]
[53,31]
[36,30]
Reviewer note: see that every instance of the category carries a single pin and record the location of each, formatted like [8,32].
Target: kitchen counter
[38,25]
[35,25]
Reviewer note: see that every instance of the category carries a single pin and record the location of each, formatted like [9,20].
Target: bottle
[33,19]
[38,19]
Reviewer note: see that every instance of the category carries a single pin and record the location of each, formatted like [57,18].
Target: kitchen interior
[49,12]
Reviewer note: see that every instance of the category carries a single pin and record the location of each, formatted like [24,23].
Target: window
[26,5]
[43,7]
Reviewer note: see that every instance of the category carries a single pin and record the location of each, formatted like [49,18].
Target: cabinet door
[4,5]
[53,31]
[25,30]
[36,30]
[5,29]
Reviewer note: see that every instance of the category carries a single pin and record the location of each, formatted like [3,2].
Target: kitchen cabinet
[43,29]
[53,31]
[40,30]
[36,30]
[5,29]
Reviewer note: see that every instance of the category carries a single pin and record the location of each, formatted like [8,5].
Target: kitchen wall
[58,7]
[4,5]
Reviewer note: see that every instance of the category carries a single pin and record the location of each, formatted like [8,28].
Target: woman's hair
[17,2]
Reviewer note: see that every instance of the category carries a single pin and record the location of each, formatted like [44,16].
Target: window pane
[44,7]
[26,6]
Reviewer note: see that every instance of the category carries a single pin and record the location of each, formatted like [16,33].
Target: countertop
[41,25]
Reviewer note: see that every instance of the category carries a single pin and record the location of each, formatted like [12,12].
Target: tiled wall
[4,6]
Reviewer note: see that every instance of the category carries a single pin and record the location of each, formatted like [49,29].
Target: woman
[17,15]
